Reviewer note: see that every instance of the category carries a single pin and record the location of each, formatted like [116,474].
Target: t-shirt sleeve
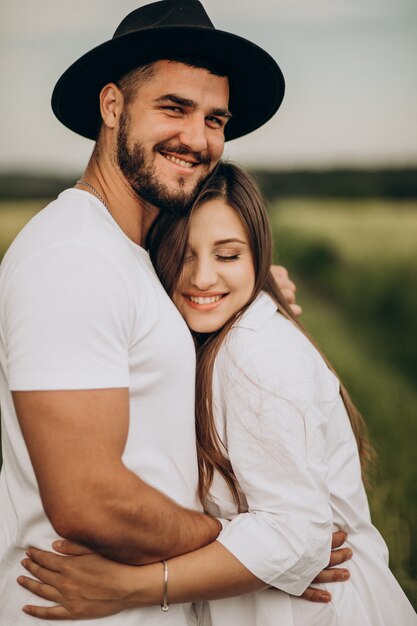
[68,316]
[276,430]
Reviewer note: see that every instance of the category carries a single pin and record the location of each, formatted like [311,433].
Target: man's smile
[181,160]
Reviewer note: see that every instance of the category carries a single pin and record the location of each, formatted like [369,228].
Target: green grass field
[361,230]
[356,271]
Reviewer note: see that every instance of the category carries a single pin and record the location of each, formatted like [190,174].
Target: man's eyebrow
[221,113]
[187,102]
[172,97]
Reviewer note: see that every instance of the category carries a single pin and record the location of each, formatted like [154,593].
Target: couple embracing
[196,478]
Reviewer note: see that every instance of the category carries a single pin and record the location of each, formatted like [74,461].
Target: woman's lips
[204,302]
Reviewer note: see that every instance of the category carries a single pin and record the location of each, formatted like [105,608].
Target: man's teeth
[178,161]
[200,300]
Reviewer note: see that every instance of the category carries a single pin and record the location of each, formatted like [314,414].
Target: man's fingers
[279,272]
[296,309]
[43,574]
[40,589]
[289,294]
[51,612]
[70,547]
[332,575]
[337,557]
[338,538]
[286,286]
[49,560]
[316,595]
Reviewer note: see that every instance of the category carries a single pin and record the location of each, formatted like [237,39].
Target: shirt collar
[261,310]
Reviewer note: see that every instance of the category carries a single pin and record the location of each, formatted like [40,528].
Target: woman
[280,443]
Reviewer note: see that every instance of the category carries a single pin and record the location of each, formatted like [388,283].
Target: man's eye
[174,109]
[216,121]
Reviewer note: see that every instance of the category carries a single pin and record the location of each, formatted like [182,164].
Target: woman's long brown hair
[167,243]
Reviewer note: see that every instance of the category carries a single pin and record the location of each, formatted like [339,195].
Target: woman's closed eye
[227,253]
[227,257]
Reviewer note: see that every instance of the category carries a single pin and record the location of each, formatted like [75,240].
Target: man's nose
[194,133]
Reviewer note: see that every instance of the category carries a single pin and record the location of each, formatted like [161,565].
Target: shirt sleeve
[275,430]
[68,317]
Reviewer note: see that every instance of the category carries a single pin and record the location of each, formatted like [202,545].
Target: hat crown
[165,13]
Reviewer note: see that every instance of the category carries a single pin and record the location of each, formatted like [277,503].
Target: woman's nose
[203,275]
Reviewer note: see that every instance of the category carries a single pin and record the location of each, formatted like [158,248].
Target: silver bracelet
[165,605]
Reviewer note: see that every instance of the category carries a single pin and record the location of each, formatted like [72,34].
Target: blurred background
[338,165]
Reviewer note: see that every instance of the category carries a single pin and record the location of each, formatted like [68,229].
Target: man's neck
[132,214]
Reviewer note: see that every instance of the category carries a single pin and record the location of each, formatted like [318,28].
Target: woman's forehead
[215,220]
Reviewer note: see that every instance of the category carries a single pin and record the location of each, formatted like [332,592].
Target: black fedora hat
[164,30]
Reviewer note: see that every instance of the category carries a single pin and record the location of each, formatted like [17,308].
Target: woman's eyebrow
[221,242]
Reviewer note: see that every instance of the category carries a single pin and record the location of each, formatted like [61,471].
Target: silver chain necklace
[83,182]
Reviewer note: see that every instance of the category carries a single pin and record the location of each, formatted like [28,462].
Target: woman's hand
[286,286]
[84,586]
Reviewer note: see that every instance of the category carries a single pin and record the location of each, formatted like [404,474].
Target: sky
[350,68]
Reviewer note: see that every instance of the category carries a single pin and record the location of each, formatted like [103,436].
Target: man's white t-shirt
[82,308]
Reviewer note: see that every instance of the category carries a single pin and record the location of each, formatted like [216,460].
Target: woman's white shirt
[280,416]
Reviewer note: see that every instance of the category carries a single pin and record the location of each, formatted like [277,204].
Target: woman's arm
[92,586]
[272,410]
[89,585]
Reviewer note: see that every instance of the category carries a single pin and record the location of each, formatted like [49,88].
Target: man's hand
[331,574]
[286,286]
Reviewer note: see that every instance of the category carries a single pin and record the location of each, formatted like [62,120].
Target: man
[97,367]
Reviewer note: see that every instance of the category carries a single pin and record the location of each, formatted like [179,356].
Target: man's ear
[111,104]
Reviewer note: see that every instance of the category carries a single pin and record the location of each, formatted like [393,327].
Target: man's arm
[76,441]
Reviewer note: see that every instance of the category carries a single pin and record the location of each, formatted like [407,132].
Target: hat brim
[256,81]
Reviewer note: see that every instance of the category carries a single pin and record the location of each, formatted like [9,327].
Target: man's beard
[143,178]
